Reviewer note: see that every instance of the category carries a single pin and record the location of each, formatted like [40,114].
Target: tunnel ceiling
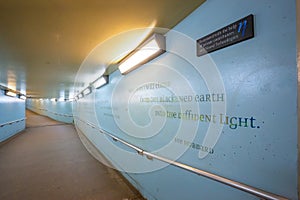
[44,42]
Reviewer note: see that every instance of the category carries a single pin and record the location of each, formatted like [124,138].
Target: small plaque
[236,32]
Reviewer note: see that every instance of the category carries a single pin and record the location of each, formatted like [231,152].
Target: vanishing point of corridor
[48,161]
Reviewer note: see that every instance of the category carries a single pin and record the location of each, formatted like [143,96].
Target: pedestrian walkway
[48,161]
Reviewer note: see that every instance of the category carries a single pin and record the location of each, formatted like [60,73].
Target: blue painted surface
[259,81]
[57,110]
[11,109]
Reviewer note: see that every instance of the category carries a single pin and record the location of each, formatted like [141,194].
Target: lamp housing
[10,93]
[148,50]
[103,80]
[22,96]
[87,91]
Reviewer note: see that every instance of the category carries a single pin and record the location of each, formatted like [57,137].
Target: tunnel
[156,100]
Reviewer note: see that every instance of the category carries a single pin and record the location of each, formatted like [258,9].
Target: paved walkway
[48,161]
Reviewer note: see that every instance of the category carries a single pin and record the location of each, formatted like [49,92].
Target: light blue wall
[11,109]
[259,80]
[57,110]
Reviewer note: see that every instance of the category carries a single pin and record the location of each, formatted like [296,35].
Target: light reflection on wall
[110,52]
[61,94]
[11,80]
[14,79]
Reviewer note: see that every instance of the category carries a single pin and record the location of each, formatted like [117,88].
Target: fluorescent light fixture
[150,49]
[61,99]
[79,95]
[53,99]
[10,93]
[22,96]
[87,91]
[100,82]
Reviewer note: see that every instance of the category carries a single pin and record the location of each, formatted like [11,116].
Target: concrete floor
[48,161]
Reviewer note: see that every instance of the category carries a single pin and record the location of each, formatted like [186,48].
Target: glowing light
[80,95]
[149,50]
[23,97]
[100,82]
[61,99]
[87,91]
[10,93]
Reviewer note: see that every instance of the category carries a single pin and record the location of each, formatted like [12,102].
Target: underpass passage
[48,161]
[34,120]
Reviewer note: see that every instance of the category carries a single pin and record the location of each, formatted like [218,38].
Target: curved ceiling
[44,42]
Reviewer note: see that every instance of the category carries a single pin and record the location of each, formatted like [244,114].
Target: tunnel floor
[48,161]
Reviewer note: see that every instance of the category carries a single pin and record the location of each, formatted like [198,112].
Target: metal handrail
[12,122]
[59,114]
[55,113]
[238,185]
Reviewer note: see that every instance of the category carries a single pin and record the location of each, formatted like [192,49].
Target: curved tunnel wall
[258,141]
[12,119]
[167,107]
